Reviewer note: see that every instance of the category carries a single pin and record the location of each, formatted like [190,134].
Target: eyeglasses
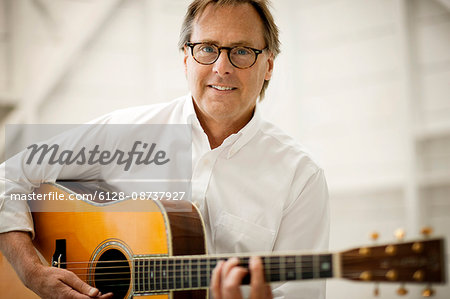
[240,57]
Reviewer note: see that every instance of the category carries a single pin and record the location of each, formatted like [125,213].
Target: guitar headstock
[421,261]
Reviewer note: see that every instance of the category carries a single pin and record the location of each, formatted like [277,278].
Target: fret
[326,268]
[307,267]
[204,272]
[186,276]
[148,275]
[171,274]
[145,276]
[266,263]
[209,271]
[164,274]
[135,269]
[274,265]
[178,274]
[152,275]
[316,266]
[282,267]
[194,273]
[290,268]
[139,275]
[299,267]
[158,274]
[190,273]
[211,265]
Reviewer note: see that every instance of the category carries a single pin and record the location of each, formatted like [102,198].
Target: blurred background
[364,84]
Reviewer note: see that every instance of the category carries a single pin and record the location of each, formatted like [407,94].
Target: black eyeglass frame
[256,51]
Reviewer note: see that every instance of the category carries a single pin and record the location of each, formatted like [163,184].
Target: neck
[218,130]
[194,272]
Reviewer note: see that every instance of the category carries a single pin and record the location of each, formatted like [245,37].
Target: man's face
[226,27]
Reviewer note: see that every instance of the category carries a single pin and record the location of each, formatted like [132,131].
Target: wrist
[32,274]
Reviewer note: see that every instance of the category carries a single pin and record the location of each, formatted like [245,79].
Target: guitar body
[100,243]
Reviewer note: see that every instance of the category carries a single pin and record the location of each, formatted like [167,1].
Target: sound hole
[112,273]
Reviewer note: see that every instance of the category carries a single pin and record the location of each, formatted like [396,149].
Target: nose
[223,66]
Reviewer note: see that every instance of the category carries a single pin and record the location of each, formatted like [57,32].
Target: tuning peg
[418,275]
[426,231]
[366,275]
[417,247]
[374,236]
[376,290]
[401,291]
[428,292]
[400,234]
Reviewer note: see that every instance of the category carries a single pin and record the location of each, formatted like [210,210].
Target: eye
[242,51]
[208,49]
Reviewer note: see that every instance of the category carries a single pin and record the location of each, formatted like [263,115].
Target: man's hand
[51,282]
[47,282]
[227,277]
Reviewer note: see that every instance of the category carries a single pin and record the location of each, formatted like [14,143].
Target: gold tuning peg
[401,291]
[426,231]
[428,292]
[376,290]
[374,236]
[400,234]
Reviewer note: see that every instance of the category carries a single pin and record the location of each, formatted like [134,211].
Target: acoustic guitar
[162,252]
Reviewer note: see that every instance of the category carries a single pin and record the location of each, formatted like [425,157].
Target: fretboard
[161,274]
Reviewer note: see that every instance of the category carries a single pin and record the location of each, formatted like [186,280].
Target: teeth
[221,87]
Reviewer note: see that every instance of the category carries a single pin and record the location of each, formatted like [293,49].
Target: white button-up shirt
[257,192]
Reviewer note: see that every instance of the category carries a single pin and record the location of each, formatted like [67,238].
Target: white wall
[363,83]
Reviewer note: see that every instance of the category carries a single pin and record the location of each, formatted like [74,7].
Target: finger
[216,281]
[258,287]
[268,292]
[73,294]
[77,284]
[106,296]
[229,264]
[231,283]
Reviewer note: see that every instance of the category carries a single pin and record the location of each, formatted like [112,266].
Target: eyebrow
[238,43]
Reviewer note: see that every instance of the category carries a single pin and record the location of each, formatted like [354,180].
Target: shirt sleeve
[14,216]
[17,177]
[305,227]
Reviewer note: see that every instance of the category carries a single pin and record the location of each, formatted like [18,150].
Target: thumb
[77,284]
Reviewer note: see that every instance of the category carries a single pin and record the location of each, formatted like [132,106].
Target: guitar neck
[194,272]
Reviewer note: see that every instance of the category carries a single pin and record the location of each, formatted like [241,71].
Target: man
[256,188]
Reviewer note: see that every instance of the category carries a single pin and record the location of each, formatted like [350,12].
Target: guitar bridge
[59,256]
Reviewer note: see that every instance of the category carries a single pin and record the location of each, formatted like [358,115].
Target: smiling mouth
[222,88]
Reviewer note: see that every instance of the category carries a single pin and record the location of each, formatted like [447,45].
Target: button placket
[201,177]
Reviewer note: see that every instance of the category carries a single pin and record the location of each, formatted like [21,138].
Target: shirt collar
[189,115]
[238,140]
[246,133]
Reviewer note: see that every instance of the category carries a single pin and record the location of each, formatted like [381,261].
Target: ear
[269,70]
[186,54]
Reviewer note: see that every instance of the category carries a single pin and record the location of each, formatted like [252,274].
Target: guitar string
[305,259]
[180,272]
[158,285]
[273,266]
[182,268]
[199,265]
[350,260]
[176,272]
